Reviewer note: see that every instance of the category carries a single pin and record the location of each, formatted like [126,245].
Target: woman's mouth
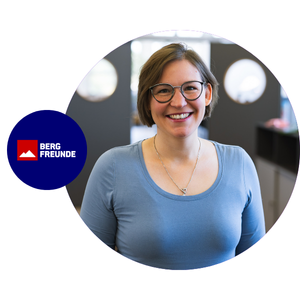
[179,116]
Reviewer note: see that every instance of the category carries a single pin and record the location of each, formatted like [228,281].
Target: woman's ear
[208,94]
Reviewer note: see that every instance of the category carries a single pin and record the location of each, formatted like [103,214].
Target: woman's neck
[177,149]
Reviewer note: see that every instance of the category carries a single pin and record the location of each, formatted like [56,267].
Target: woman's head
[152,72]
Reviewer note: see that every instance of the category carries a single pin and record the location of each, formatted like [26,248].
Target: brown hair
[152,71]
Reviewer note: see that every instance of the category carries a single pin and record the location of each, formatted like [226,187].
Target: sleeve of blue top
[97,206]
[253,223]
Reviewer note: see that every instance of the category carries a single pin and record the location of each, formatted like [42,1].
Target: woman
[175,201]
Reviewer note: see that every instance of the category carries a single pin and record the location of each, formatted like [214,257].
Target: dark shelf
[278,146]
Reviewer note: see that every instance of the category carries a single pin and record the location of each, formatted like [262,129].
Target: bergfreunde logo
[27,149]
[47,150]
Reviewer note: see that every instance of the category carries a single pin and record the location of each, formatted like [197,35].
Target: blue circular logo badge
[47,150]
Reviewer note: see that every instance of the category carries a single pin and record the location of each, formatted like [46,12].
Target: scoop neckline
[171,196]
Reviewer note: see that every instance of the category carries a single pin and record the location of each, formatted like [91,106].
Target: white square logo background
[48,48]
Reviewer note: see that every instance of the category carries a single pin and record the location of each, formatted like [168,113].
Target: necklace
[183,190]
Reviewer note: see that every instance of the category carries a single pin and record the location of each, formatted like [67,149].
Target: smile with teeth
[179,116]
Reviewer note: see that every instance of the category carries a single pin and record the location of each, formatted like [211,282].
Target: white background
[46,49]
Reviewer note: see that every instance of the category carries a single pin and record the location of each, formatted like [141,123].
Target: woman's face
[180,117]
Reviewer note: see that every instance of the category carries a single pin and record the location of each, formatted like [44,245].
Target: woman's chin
[182,133]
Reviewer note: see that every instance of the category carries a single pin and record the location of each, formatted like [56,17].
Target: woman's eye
[190,88]
[163,91]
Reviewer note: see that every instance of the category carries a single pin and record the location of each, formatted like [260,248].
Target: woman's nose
[178,100]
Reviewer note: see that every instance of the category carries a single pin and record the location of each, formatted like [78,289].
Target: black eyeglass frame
[173,92]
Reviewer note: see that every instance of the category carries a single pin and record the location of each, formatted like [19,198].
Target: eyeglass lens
[190,90]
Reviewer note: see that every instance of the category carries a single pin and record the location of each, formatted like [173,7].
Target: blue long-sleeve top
[124,207]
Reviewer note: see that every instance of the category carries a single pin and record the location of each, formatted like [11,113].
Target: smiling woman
[134,197]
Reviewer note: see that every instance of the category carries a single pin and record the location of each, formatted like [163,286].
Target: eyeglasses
[164,92]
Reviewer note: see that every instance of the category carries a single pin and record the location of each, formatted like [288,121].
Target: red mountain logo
[27,149]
